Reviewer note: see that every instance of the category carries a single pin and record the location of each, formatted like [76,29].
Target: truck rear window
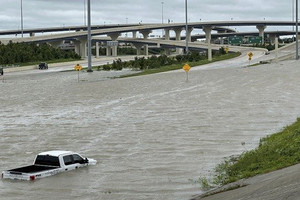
[47,160]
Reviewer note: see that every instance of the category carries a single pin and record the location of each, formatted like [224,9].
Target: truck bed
[31,169]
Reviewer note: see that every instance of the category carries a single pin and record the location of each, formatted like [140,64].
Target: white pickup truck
[47,164]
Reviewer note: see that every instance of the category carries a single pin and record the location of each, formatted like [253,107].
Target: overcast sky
[50,13]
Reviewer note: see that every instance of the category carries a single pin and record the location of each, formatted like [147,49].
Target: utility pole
[84,13]
[297,45]
[22,17]
[89,38]
[293,13]
[186,29]
[162,18]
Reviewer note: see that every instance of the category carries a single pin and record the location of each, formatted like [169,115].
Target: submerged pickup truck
[47,164]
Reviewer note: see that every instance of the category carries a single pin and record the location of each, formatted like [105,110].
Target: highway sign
[235,40]
[112,43]
[255,40]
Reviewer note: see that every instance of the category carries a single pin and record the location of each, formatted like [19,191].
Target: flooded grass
[179,66]
[275,152]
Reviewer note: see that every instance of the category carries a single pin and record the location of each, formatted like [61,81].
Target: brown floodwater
[153,136]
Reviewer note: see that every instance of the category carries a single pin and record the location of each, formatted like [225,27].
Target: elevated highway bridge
[79,34]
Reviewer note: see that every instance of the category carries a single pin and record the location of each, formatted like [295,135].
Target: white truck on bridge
[47,164]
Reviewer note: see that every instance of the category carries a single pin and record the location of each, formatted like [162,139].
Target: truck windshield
[47,160]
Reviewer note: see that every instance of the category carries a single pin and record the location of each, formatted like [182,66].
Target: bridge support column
[209,52]
[178,38]
[138,49]
[167,34]
[145,35]
[97,49]
[114,37]
[189,34]
[272,38]
[261,29]
[222,38]
[108,51]
[207,30]
[114,51]
[133,34]
[80,47]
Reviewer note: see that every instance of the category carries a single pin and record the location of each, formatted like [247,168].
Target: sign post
[226,49]
[78,68]
[250,55]
[186,68]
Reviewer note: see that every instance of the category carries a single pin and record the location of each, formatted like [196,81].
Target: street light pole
[297,45]
[162,18]
[22,17]
[186,29]
[293,13]
[84,13]
[89,38]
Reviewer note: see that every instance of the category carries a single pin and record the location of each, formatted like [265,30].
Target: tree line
[17,53]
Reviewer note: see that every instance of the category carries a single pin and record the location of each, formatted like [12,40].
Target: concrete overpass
[80,37]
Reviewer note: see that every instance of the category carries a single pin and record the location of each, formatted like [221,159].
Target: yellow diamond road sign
[250,54]
[186,67]
[78,67]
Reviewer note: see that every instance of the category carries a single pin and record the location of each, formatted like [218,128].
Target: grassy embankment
[274,152]
[179,66]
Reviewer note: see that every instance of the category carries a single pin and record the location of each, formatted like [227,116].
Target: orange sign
[186,67]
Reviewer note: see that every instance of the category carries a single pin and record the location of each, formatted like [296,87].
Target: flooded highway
[153,136]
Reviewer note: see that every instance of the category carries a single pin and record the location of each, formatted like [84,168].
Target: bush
[13,53]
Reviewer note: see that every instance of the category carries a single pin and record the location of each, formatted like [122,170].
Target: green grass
[179,66]
[275,152]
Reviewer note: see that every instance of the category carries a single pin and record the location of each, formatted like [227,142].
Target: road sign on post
[186,68]
[226,49]
[255,40]
[250,55]
[78,68]
[235,40]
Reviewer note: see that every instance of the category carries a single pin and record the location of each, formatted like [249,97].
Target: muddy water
[152,135]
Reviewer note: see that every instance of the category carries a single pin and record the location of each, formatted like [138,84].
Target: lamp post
[162,18]
[89,38]
[84,13]
[22,17]
[293,13]
[186,29]
[297,53]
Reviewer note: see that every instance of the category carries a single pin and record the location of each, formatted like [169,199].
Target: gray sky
[49,13]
